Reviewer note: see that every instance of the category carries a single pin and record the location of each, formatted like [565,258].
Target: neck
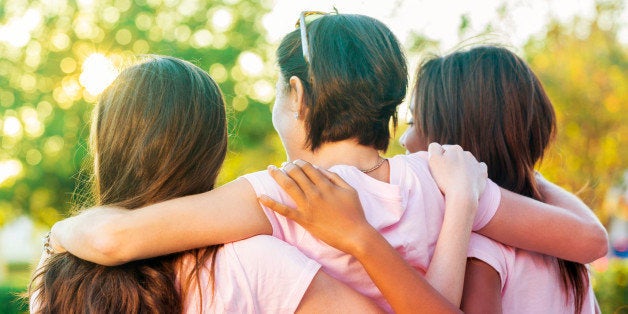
[347,152]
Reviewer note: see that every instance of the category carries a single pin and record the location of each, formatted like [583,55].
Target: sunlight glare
[17,32]
[12,126]
[251,63]
[98,73]
[9,168]
[222,20]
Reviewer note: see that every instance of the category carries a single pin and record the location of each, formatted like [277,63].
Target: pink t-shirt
[408,212]
[530,281]
[258,275]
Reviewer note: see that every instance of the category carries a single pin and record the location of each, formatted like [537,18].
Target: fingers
[277,207]
[434,149]
[319,177]
[313,173]
[483,167]
[336,179]
[297,174]
[287,184]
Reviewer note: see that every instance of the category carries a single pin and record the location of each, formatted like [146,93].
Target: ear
[297,95]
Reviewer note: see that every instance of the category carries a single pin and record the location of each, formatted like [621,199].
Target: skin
[329,208]
[431,301]
[482,284]
[482,281]
[323,213]
[111,237]
[482,288]
[562,217]
[325,294]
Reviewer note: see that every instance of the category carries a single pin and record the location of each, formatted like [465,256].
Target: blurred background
[57,55]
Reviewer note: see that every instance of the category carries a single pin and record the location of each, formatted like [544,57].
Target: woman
[334,110]
[490,102]
[159,132]
[493,88]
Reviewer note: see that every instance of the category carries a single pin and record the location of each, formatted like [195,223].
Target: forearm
[532,225]
[402,286]
[447,267]
[79,235]
[111,236]
[555,195]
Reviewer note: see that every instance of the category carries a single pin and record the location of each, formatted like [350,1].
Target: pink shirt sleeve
[487,205]
[489,200]
[283,228]
[495,254]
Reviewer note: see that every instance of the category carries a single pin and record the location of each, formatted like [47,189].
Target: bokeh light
[9,169]
[17,32]
[251,63]
[222,20]
[12,127]
[98,73]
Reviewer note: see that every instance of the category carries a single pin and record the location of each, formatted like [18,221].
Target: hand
[327,206]
[53,240]
[456,171]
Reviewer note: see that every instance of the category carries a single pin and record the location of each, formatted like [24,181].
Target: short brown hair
[356,78]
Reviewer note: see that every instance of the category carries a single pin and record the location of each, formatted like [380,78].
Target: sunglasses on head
[304,18]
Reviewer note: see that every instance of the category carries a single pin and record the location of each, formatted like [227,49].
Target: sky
[440,19]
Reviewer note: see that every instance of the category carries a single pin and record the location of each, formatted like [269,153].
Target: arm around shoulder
[112,236]
[563,227]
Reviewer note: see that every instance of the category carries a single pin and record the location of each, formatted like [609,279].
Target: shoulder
[262,183]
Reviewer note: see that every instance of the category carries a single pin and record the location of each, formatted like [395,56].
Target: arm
[112,236]
[462,191]
[569,228]
[328,295]
[482,288]
[330,209]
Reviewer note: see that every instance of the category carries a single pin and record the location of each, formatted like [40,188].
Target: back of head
[355,79]
[159,132]
[490,102]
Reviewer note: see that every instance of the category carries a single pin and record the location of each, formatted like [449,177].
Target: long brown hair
[490,102]
[356,78]
[158,132]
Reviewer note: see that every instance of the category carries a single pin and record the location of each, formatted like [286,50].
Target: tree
[584,69]
[45,106]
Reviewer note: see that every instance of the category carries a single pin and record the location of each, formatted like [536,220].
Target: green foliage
[45,108]
[611,287]
[584,69]
[10,302]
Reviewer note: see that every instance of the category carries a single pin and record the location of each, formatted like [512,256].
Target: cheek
[412,141]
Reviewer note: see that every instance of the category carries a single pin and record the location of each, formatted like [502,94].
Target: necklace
[379,164]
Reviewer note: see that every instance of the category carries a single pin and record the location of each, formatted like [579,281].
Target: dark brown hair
[159,132]
[489,101]
[356,78]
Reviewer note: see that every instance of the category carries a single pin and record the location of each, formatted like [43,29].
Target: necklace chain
[379,164]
